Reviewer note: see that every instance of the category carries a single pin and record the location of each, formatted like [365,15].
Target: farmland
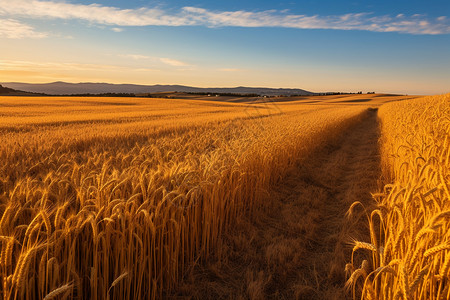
[149,198]
[409,226]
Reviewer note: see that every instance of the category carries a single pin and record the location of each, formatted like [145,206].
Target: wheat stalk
[116,281]
[61,290]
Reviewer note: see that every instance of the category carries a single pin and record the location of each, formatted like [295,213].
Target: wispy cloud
[229,70]
[135,56]
[164,60]
[194,16]
[173,62]
[19,65]
[13,29]
[46,71]
[95,13]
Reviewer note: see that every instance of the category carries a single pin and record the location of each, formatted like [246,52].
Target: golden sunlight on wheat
[106,198]
[408,256]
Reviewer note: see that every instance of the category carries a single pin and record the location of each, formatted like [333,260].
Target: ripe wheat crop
[113,198]
[409,251]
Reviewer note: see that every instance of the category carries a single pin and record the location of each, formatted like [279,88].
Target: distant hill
[64,88]
[5,91]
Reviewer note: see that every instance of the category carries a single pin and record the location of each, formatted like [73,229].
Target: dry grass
[409,249]
[117,198]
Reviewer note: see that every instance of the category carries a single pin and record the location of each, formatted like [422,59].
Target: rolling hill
[5,91]
[64,88]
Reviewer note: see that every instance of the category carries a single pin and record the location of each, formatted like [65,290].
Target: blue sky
[400,47]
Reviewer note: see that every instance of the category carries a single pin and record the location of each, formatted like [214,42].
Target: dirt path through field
[299,248]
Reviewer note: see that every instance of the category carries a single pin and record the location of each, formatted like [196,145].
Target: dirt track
[299,248]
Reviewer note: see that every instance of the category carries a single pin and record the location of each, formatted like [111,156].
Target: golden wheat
[414,205]
[91,187]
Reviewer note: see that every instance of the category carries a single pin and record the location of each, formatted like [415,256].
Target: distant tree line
[341,93]
[99,95]
[224,94]
[6,91]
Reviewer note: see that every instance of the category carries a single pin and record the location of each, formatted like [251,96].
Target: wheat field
[407,255]
[112,198]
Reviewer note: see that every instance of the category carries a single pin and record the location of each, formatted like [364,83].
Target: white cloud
[194,16]
[117,29]
[93,13]
[13,29]
[173,62]
[164,60]
[135,56]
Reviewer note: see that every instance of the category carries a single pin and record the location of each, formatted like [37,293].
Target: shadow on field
[298,248]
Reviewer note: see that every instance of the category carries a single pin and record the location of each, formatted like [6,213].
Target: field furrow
[298,248]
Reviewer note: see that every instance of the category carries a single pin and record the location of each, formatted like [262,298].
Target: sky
[383,46]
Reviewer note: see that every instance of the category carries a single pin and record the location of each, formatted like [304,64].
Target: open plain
[304,197]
